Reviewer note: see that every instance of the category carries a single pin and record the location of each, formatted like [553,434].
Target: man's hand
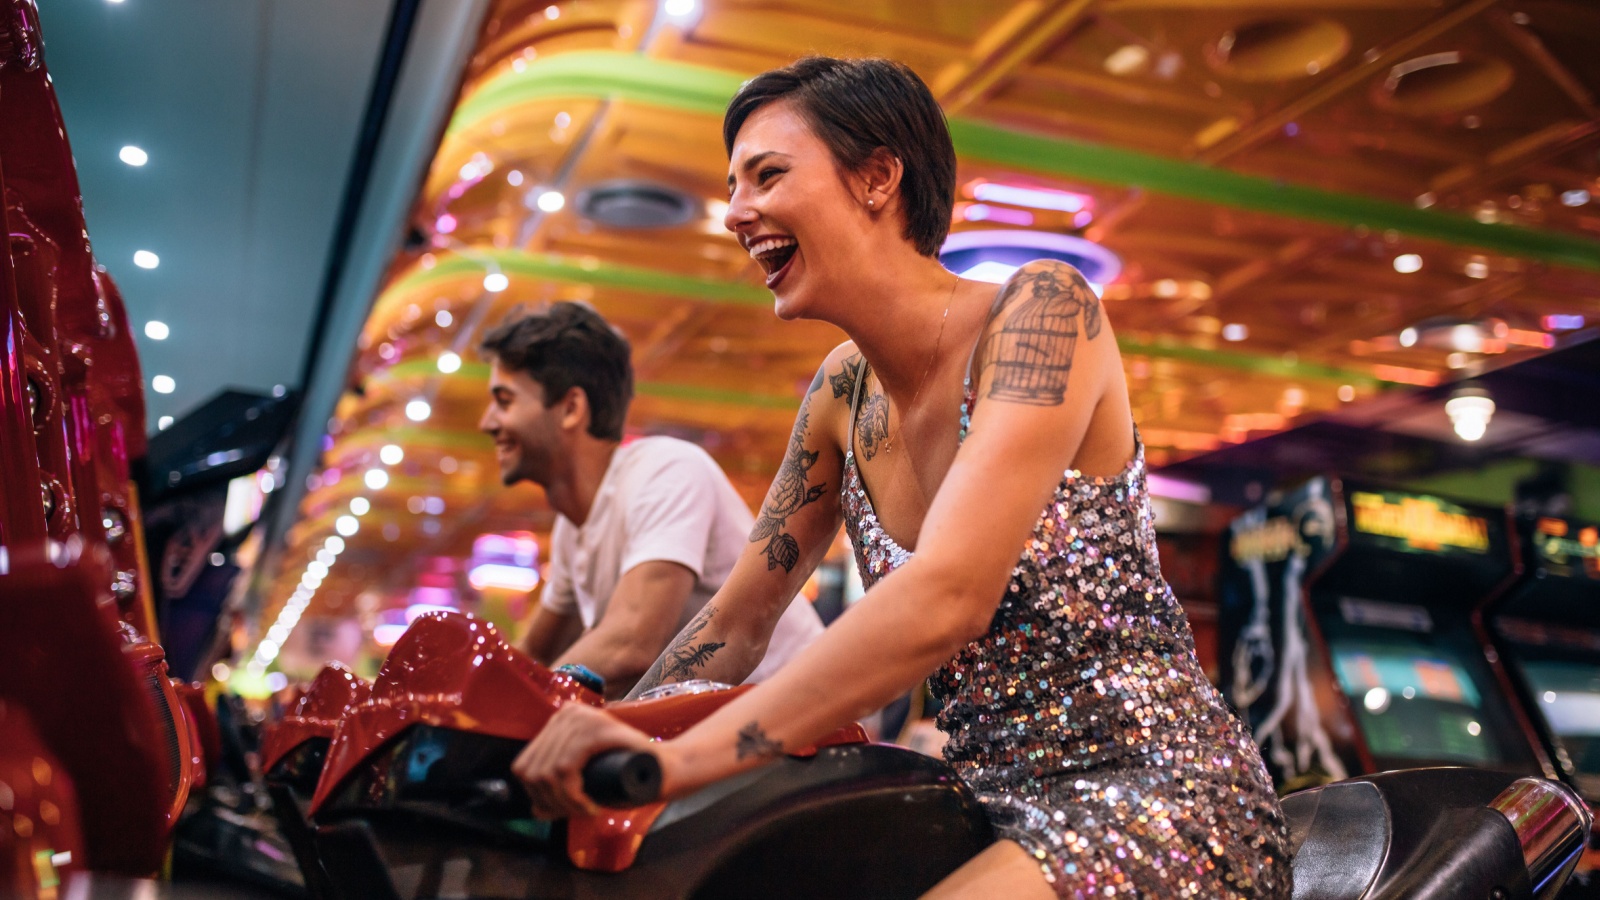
[551,767]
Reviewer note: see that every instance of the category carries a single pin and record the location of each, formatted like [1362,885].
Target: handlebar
[622,778]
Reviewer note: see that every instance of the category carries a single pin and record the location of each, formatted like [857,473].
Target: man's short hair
[567,345]
[856,106]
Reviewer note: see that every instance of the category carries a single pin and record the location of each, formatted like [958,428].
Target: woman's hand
[551,766]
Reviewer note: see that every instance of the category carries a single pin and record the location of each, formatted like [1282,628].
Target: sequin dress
[1082,719]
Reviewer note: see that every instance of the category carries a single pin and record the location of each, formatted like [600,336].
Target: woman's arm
[1027,429]
[727,640]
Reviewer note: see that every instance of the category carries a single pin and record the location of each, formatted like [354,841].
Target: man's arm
[641,618]
[550,633]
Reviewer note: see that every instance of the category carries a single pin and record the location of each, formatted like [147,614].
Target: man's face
[527,434]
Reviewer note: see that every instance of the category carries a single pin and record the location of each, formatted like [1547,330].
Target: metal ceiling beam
[1009,44]
[706,91]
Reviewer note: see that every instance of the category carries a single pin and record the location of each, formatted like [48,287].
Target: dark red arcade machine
[1352,636]
[1547,630]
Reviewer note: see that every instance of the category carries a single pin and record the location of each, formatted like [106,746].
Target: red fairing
[333,693]
[207,735]
[453,671]
[40,812]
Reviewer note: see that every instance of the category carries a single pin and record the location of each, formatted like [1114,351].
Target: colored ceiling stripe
[698,89]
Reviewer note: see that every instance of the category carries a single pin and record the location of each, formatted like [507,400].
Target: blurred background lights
[1406,263]
[1469,411]
[156,331]
[376,479]
[442,318]
[552,201]
[1562,322]
[419,410]
[346,525]
[391,454]
[334,544]
[163,384]
[277,681]
[1233,331]
[495,282]
[133,156]
[681,11]
[220,671]
[1575,198]
[449,362]
[163,423]
[1408,337]
[1037,198]
[144,259]
[360,506]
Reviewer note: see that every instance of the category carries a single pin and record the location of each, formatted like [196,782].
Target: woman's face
[795,210]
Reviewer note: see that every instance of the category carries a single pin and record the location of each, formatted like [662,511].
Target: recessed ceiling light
[1127,59]
[391,454]
[334,544]
[442,318]
[163,384]
[1406,263]
[376,479]
[552,201]
[347,525]
[681,11]
[163,423]
[514,178]
[156,331]
[1347,392]
[495,282]
[418,410]
[1408,337]
[133,156]
[1574,198]
[1235,332]
[360,506]
[449,362]
[144,259]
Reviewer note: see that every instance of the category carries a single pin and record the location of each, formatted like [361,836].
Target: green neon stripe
[1246,362]
[548,267]
[696,393]
[433,438]
[696,89]
[424,368]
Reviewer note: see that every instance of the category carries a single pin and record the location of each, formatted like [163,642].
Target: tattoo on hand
[1032,351]
[874,424]
[790,491]
[753,742]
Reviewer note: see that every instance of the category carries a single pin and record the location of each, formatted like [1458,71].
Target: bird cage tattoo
[1032,352]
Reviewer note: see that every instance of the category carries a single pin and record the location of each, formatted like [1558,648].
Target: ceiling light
[442,318]
[1457,360]
[1347,392]
[163,384]
[1469,411]
[346,525]
[495,282]
[418,410]
[1574,198]
[326,556]
[360,506]
[334,544]
[163,423]
[156,331]
[681,11]
[1127,60]
[1408,337]
[1476,268]
[144,259]
[1467,338]
[449,362]
[220,671]
[133,156]
[391,454]
[1562,322]
[1376,700]
[376,479]
[1037,198]
[387,634]
[551,201]
[983,212]
[552,12]
[1235,332]
[318,568]
[514,178]
[505,577]
[1406,263]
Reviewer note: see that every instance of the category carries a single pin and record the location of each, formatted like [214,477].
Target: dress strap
[855,402]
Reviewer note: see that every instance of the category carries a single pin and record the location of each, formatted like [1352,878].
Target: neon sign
[1423,523]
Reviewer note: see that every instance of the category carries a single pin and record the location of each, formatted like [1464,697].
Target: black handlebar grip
[622,778]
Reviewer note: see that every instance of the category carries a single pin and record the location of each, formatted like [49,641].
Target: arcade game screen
[1420,697]
[1561,667]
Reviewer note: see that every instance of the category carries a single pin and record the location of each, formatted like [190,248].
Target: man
[645,533]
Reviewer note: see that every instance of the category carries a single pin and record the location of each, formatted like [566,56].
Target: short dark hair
[856,106]
[567,345]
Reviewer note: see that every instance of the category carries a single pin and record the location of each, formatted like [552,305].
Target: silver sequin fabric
[1082,719]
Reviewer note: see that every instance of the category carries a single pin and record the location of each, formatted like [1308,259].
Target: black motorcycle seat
[1339,835]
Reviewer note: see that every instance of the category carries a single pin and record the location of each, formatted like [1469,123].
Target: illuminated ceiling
[1314,203]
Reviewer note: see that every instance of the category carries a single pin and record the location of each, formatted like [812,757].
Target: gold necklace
[888,445]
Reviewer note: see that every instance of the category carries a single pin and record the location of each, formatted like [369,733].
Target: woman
[1073,702]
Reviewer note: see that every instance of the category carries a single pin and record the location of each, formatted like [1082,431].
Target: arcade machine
[1352,639]
[1547,629]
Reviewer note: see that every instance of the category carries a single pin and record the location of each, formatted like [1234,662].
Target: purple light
[445,224]
[1038,198]
[1563,322]
[982,212]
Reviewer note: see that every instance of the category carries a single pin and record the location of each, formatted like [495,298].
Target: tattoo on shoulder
[791,490]
[843,382]
[754,743]
[873,427]
[1031,352]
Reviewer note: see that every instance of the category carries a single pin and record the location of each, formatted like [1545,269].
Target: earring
[870,203]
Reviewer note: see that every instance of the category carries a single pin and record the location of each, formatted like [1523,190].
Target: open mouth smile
[774,254]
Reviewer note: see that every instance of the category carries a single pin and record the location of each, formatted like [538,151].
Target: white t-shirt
[663,499]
